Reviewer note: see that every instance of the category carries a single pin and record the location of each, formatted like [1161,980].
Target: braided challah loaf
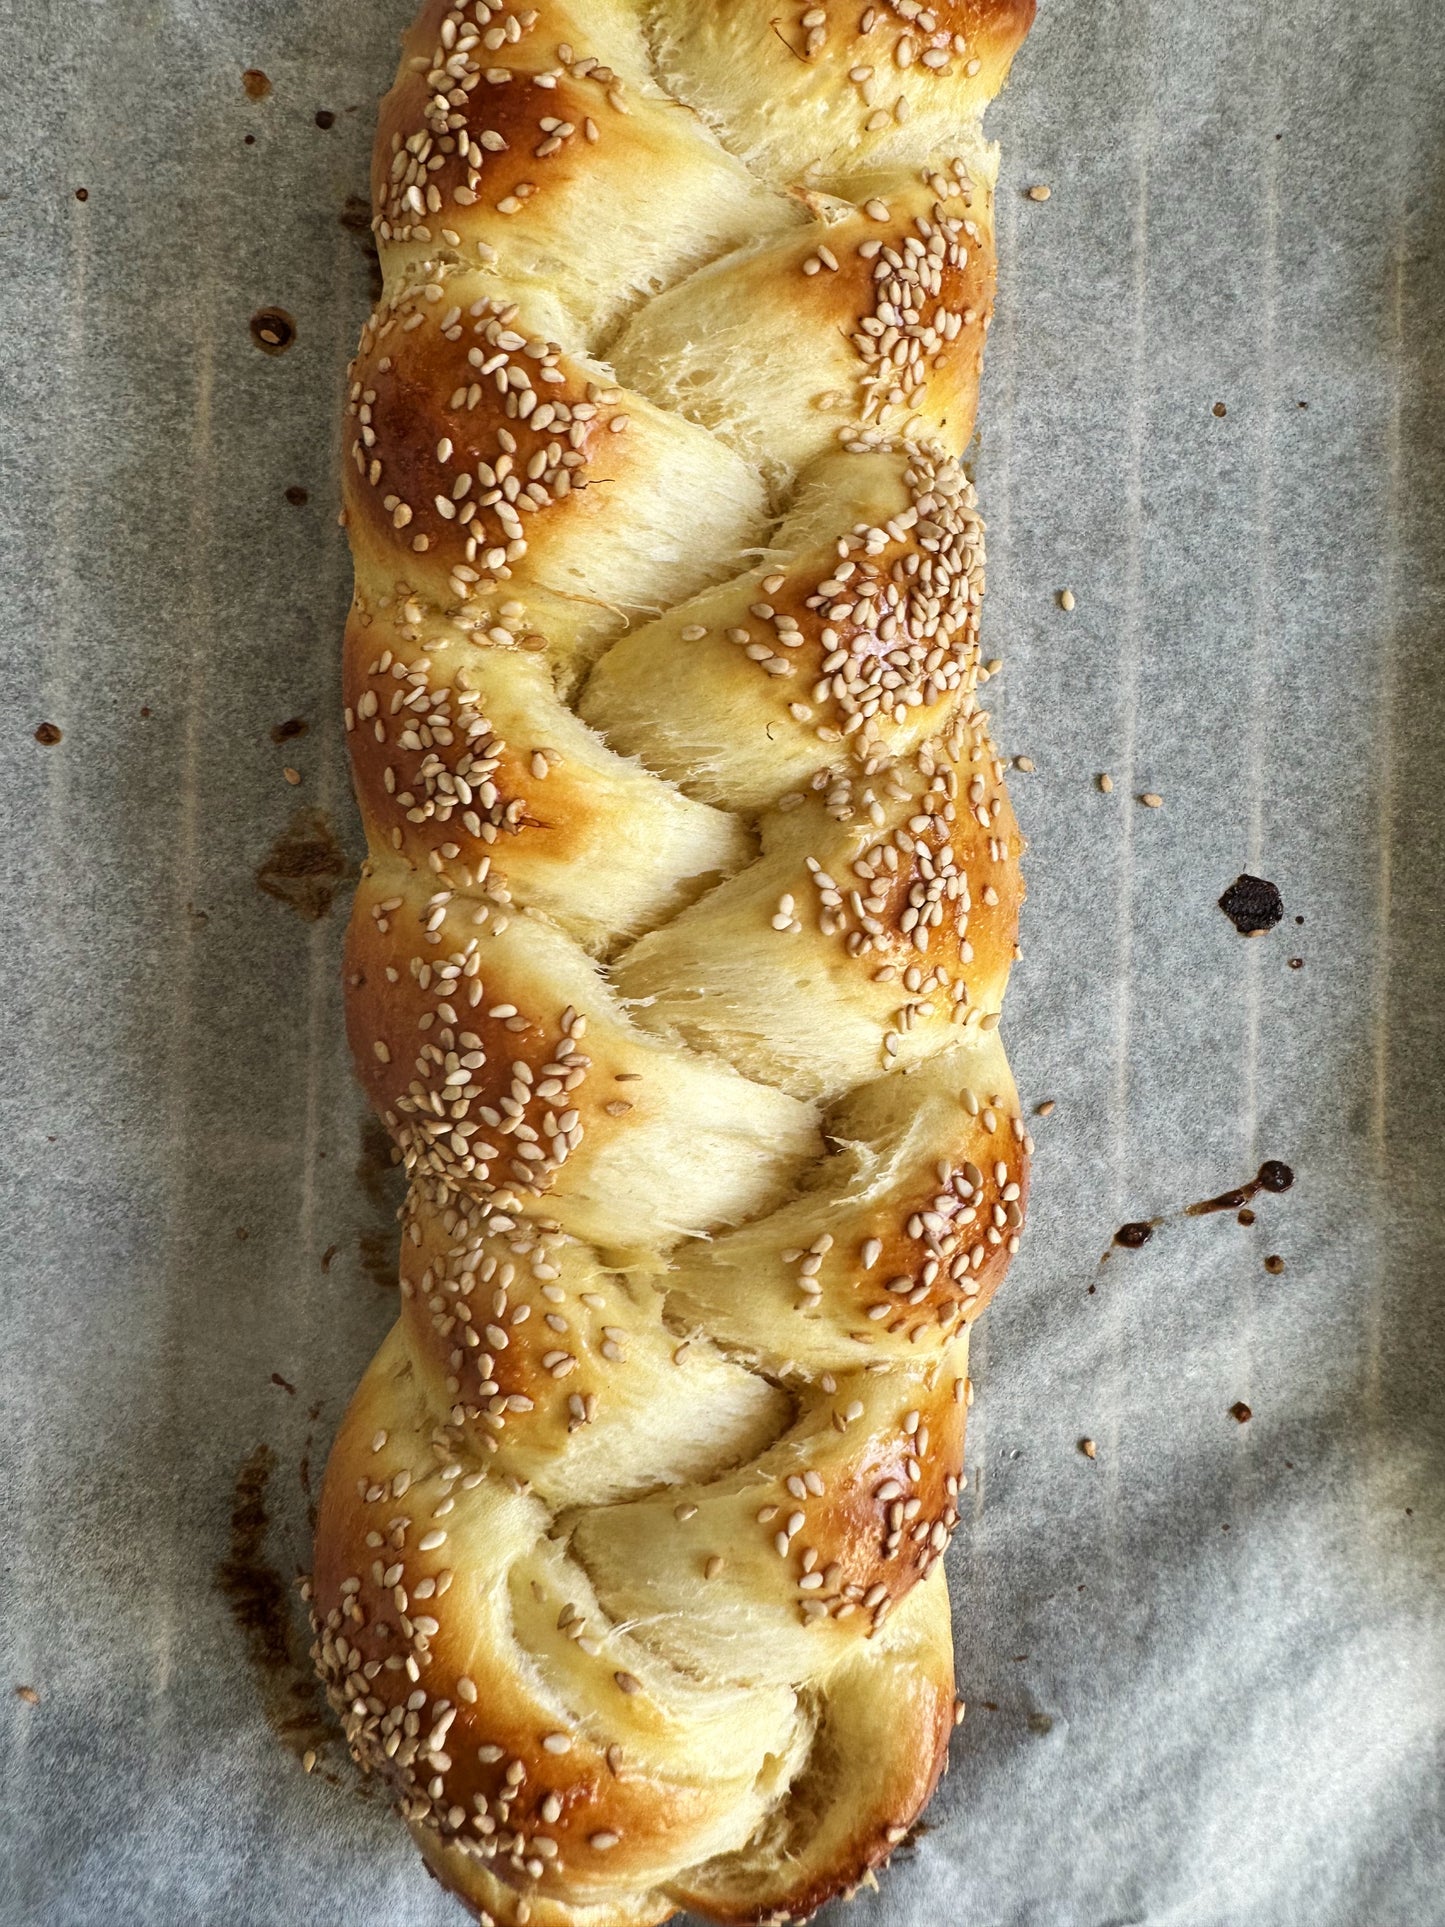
[677,960]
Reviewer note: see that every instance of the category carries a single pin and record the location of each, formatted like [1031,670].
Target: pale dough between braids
[676,963]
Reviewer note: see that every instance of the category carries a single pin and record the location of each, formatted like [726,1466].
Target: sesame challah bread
[676,964]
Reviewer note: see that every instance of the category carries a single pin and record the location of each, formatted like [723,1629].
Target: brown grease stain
[305,866]
[1272,1175]
[355,217]
[376,1173]
[303,1470]
[261,1606]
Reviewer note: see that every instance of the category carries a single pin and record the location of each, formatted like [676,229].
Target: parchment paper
[1205,1670]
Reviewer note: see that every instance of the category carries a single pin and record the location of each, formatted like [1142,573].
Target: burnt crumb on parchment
[1252,904]
[48,735]
[288,731]
[1273,1175]
[1136,1233]
[261,1603]
[256,84]
[273,330]
[355,217]
[305,866]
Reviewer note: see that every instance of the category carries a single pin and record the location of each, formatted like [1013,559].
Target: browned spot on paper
[377,1174]
[256,84]
[261,1605]
[273,330]
[1272,1175]
[303,1469]
[305,866]
[355,217]
[288,731]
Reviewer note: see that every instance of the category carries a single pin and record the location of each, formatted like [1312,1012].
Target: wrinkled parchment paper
[1204,1668]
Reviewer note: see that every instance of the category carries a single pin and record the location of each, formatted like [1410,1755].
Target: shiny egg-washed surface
[676,966]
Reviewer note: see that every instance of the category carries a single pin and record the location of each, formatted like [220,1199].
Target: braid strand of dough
[676,964]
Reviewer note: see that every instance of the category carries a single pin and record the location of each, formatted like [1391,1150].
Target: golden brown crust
[676,965]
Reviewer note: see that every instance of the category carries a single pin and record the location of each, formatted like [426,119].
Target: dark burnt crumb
[297,496]
[1134,1234]
[325,118]
[48,734]
[256,84]
[1220,410]
[288,731]
[1296,963]
[273,330]
[1246,1216]
[82,194]
[250,140]
[1274,1175]
[1274,1264]
[1240,1412]
[284,1383]
[1299,919]
[1252,904]
[145,709]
